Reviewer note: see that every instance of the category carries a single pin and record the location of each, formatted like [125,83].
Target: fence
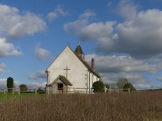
[118,90]
[81,90]
[17,90]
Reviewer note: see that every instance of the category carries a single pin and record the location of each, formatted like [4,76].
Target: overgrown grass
[139,106]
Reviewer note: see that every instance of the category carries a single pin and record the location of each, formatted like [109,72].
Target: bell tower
[79,51]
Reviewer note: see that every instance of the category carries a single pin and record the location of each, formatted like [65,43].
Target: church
[70,73]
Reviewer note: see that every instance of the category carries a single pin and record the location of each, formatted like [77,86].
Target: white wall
[78,73]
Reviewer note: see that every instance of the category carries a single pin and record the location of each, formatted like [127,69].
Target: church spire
[79,51]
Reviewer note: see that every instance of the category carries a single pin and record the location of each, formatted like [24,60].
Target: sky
[124,37]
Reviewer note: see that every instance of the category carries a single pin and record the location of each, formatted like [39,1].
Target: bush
[129,86]
[98,86]
[23,88]
[121,82]
[107,87]
[10,84]
[41,90]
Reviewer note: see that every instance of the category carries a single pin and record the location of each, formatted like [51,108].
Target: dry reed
[138,106]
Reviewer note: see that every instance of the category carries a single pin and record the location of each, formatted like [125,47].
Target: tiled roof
[87,65]
[63,79]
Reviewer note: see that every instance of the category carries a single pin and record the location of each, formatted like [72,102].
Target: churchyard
[123,106]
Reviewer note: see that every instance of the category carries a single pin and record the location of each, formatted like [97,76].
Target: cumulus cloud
[3,83]
[114,63]
[159,78]
[114,67]
[42,54]
[8,49]
[15,24]
[90,31]
[36,84]
[59,11]
[2,68]
[127,9]
[139,36]
[87,14]
[37,75]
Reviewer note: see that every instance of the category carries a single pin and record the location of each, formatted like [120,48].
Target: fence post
[4,91]
[35,91]
[129,90]
[109,90]
[19,91]
[12,90]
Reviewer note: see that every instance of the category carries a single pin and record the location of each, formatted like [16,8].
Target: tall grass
[139,106]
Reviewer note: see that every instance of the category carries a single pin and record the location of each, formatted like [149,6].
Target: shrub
[121,82]
[107,87]
[23,87]
[10,84]
[129,86]
[98,86]
[41,90]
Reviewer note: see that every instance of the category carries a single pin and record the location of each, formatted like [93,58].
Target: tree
[107,87]
[98,86]
[23,87]
[129,86]
[121,82]
[41,90]
[10,84]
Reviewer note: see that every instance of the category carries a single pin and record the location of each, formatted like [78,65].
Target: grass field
[11,96]
[139,106]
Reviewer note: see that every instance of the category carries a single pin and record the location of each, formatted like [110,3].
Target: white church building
[70,73]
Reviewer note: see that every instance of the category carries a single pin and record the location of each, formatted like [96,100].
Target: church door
[60,87]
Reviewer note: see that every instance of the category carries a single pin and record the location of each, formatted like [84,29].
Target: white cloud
[90,31]
[59,11]
[15,24]
[2,68]
[114,67]
[8,49]
[3,83]
[36,84]
[139,36]
[114,63]
[87,14]
[42,54]
[159,78]
[38,75]
[127,9]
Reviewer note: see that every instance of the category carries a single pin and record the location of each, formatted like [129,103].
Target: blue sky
[124,36]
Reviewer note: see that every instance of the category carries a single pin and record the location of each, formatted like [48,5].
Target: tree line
[122,84]
[10,85]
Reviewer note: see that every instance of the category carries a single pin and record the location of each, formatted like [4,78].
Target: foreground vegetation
[137,106]
[15,96]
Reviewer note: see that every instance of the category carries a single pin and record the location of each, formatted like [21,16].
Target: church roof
[79,50]
[87,65]
[63,79]
[82,60]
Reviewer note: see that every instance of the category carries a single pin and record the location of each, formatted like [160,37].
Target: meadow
[137,106]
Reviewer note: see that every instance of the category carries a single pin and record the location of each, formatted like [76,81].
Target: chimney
[93,63]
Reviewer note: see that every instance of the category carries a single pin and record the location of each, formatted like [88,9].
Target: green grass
[13,96]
